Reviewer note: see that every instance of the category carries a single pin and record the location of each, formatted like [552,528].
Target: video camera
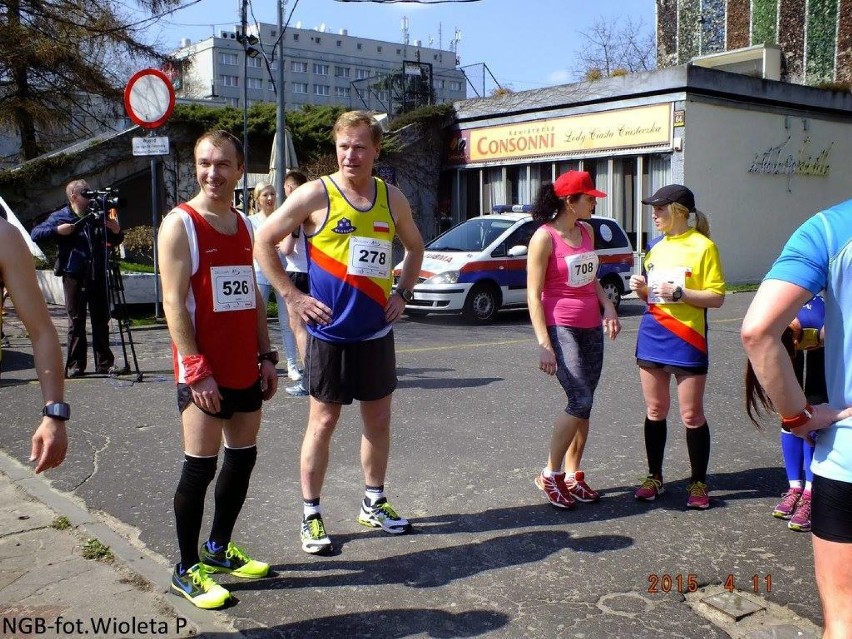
[100,201]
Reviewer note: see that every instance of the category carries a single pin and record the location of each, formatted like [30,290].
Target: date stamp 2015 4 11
[688,582]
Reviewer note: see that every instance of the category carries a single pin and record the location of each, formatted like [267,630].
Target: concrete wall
[753,212]
[138,288]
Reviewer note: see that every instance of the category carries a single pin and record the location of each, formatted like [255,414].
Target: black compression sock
[195,477]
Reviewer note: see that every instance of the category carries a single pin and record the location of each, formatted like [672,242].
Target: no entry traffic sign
[149,98]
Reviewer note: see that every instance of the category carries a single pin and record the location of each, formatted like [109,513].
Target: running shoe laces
[801,519]
[197,587]
[233,560]
[382,515]
[787,506]
[698,495]
[649,489]
[580,490]
[314,539]
[556,490]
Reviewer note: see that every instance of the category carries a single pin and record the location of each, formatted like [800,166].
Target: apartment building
[320,68]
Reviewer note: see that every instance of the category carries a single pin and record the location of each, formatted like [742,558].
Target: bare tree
[612,49]
[64,63]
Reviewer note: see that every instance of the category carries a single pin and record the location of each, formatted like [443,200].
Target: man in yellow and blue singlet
[349,219]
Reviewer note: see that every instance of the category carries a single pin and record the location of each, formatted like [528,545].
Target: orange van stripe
[687,334]
[364,284]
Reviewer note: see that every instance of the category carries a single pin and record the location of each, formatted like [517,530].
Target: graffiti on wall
[793,158]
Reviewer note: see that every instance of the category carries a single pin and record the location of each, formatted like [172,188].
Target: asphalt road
[488,557]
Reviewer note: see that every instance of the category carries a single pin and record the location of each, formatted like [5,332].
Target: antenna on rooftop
[405,30]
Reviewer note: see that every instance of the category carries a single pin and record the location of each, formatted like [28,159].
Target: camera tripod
[118,310]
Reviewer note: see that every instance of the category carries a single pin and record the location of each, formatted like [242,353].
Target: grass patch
[133,267]
[61,523]
[742,288]
[94,549]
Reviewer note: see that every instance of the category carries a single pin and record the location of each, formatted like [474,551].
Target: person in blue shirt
[817,257]
[81,262]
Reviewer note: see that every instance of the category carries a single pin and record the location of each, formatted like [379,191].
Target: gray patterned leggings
[579,360]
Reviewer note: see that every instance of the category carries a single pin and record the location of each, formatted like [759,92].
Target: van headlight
[447,277]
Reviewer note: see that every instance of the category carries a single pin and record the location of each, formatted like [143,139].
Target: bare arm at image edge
[50,440]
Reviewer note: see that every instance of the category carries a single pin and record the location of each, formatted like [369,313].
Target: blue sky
[526,44]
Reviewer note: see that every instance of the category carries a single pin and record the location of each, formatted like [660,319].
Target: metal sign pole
[155,199]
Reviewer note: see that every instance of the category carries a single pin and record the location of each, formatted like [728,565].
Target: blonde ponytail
[702,224]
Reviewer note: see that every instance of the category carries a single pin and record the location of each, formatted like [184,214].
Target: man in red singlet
[223,365]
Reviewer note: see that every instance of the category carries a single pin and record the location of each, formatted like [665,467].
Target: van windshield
[471,236]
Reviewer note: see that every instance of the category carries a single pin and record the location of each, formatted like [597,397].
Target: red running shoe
[555,489]
[580,490]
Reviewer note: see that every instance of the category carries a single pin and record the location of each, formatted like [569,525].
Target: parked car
[480,265]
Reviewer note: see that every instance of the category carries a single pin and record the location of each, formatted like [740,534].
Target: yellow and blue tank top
[350,265]
[676,333]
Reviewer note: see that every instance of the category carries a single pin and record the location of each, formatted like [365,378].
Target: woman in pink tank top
[569,311]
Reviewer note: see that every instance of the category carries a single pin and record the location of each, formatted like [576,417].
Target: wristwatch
[677,294]
[271,356]
[798,420]
[405,294]
[57,410]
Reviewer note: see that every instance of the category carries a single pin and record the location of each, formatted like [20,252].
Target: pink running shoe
[787,506]
[580,490]
[650,489]
[555,489]
[699,496]
[801,519]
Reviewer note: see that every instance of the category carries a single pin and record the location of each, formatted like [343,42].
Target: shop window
[517,186]
[539,174]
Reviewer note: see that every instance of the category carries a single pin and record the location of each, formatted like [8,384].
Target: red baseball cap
[574,182]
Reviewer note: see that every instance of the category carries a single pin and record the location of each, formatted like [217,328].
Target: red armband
[195,368]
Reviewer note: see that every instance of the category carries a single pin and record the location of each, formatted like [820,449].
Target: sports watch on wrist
[271,356]
[405,294]
[677,294]
[57,410]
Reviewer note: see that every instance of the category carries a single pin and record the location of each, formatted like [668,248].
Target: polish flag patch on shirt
[381,227]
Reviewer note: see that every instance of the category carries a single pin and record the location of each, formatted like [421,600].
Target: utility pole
[281,161]
[244,40]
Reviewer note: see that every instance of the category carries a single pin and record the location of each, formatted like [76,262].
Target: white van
[480,266]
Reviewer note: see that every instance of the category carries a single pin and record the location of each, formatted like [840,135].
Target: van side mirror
[517,251]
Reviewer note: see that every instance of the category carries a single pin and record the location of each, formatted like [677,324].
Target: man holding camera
[82,263]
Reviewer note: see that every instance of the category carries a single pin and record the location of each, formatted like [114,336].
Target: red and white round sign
[149,98]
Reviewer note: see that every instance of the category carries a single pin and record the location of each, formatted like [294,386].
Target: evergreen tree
[64,65]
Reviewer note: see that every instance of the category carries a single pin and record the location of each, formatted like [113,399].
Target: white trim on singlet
[192,237]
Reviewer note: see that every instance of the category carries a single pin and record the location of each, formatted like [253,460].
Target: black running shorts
[339,373]
[245,400]
[831,510]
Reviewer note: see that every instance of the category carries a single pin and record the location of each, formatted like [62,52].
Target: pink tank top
[570,295]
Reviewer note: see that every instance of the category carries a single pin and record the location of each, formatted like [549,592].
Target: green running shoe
[234,561]
[197,586]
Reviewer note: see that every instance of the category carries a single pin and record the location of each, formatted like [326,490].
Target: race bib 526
[233,288]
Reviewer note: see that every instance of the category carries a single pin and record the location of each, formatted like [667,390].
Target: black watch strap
[405,294]
[271,356]
[57,410]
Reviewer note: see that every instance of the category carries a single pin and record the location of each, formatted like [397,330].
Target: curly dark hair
[548,205]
